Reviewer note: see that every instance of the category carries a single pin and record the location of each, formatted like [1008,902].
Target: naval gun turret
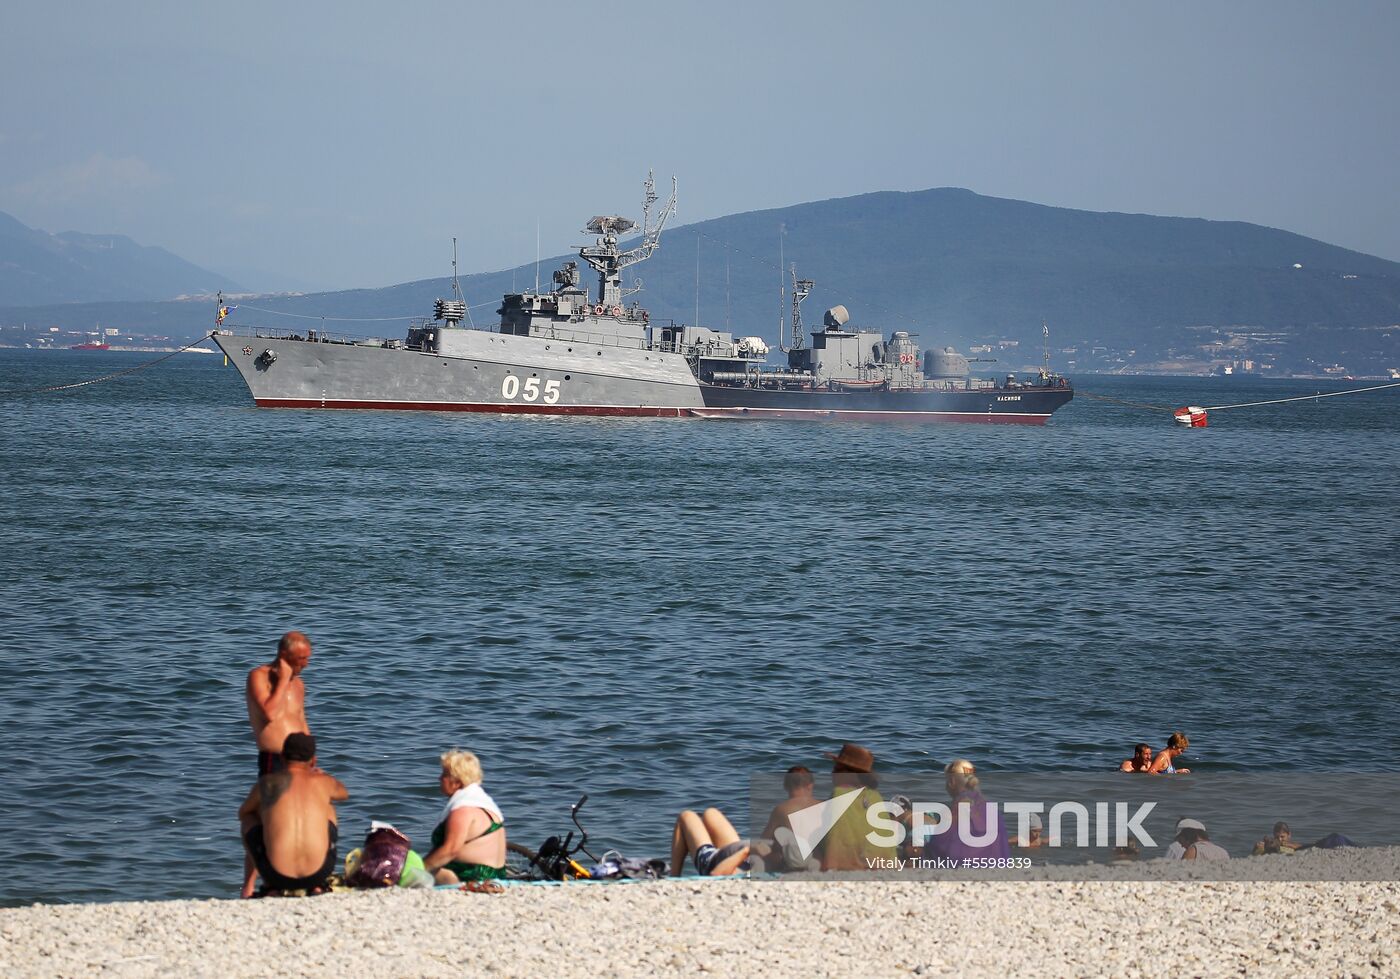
[946,364]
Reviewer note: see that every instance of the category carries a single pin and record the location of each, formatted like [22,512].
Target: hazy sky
[344,144]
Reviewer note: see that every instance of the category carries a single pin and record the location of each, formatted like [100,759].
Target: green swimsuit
[469,871]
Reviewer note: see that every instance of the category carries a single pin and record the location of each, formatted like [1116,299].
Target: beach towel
[472,795]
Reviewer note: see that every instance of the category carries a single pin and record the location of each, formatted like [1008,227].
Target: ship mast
[1045,365]
[782,285]
[609,260]
[801,289]
[451,311]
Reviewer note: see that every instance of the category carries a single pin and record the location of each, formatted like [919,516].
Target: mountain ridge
[40,268]
[953,265]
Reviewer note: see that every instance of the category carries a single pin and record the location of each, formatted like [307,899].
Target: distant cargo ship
[566,352]
[91,346]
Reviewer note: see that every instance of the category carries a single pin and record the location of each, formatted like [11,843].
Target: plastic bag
[382,858]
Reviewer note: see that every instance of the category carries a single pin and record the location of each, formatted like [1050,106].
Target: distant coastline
[113,348]
[1195,372]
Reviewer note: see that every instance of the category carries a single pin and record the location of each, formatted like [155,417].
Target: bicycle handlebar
[582,833]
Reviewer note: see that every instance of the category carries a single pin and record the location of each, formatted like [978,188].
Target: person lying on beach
[1141,760]
[846,845]
[289,825]
[1034,838]
[469,841]
[1176,746]
[1192,843]
[276,699]
[778,847]
[710,841]
[1280,841]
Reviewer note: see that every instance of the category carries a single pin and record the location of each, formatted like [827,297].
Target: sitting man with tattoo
[288,823]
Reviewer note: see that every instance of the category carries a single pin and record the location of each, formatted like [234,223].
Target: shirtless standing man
[277,699]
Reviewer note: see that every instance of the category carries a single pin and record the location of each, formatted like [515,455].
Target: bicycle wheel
[522,851]
[520,862]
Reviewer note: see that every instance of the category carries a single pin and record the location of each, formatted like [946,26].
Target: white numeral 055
[512,388]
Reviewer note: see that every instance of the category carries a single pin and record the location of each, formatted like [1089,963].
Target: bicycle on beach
[554,860]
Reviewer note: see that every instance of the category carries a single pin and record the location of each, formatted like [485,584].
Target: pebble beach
[736,927]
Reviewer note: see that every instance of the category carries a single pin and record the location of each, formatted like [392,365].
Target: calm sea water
[649,610]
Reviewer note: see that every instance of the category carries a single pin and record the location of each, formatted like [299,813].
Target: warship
[567,351]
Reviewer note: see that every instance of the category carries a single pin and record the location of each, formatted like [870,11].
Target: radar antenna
[609,260]
[801,289]
[451,311]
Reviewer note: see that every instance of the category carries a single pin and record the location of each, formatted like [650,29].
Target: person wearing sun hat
[1192,843]
[1034,835]
[845,846]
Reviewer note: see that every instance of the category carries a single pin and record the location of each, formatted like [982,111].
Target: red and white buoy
[1191,416]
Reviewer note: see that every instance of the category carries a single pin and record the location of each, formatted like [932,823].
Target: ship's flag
[223,311]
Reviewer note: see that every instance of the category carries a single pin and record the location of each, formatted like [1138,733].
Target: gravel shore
[735,927]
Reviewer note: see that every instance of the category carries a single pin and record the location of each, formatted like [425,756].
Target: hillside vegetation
[960,268]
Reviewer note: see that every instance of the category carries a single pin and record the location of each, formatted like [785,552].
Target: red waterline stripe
[509,409]
[822,414]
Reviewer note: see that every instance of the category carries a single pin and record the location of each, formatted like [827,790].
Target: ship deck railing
[314,335]
[317,335]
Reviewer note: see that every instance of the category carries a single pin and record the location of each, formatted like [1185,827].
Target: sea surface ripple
[650,610]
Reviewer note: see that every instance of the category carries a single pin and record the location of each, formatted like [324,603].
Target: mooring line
[107,377]
[1304,397]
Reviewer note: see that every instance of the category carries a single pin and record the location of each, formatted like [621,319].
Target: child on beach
[1281,841]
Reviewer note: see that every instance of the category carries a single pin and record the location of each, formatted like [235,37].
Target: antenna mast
[451,311]
[801,289]
[456,287]
[1045,365]
[782,284]
[608,260]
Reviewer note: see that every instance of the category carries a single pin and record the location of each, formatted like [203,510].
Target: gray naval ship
[566,352]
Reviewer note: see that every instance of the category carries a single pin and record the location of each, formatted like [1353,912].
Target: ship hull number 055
[530,390]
